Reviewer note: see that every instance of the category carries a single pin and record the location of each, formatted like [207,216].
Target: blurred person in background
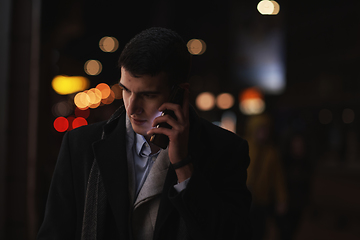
[298,175]
[112,182]
[266,180]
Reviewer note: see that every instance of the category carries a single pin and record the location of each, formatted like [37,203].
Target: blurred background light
[266,7]
[64,85]
[109,99]
[70,120]
[348,116]
[104,89]
[196,46]
[62,108]
[95,97]
[276,8]
[108,44]
[228,121]
[82,100]
[93,67]
[61,124]
[225,101]
[117,91]
[85,113]
[325,116]
[251,102]
[78,122]
[205,101]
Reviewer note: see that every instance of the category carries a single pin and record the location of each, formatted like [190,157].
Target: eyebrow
[143,92]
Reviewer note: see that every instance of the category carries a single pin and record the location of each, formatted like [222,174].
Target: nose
[134,105]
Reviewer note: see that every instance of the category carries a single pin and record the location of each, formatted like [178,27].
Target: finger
[176,108]
[164,131]
[165,119]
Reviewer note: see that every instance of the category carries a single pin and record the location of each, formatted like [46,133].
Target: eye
[149,95]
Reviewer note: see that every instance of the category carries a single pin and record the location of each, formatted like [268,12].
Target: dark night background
[321,54]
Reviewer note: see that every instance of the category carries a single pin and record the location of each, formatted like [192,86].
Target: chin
[140,130]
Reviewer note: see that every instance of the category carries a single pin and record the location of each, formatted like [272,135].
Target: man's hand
[178,134]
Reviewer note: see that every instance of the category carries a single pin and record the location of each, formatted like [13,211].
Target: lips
[138,121]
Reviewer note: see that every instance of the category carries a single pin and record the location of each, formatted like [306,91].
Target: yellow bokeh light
[93,67]
[196,46]
[108,44]
[205,101]
[225,101]
[69,84]
[266,7]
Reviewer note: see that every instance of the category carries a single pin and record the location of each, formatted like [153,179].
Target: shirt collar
[136,140]
[141,145]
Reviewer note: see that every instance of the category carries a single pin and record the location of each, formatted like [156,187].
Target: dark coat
[215,204]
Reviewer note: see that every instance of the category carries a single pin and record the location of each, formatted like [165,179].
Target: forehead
[144,82]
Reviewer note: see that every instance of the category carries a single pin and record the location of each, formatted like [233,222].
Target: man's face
[142,98]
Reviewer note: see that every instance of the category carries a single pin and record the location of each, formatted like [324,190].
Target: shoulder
[219,135]
[86,134]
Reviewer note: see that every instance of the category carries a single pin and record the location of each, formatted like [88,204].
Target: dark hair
[157,50]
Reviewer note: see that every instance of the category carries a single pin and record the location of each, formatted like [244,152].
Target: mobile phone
[177,97]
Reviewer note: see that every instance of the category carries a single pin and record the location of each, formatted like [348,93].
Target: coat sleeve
[60,213]
[216,202]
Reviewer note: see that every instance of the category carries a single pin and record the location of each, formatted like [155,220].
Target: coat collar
[110,154]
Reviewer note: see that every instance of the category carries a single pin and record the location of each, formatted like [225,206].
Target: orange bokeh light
[61,124]
[250,93]
[104,89]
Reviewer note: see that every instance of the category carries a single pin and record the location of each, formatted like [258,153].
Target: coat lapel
[154,183]
[110,153]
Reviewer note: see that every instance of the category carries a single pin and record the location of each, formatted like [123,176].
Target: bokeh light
[325,116]
[196,46]
[94,97]
[348,116]
[251,102]
[108,44]
[117,90]
[109,99]
[82,100]
[266,7]
[104,89]
[205,101]
[61,124]
[67,85]
[252,106]
[85,113]
[93,67]
[70,120]
[225,101]
[78,122]
[276,8]
[62,108]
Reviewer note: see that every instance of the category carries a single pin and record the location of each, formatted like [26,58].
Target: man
[112,182]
